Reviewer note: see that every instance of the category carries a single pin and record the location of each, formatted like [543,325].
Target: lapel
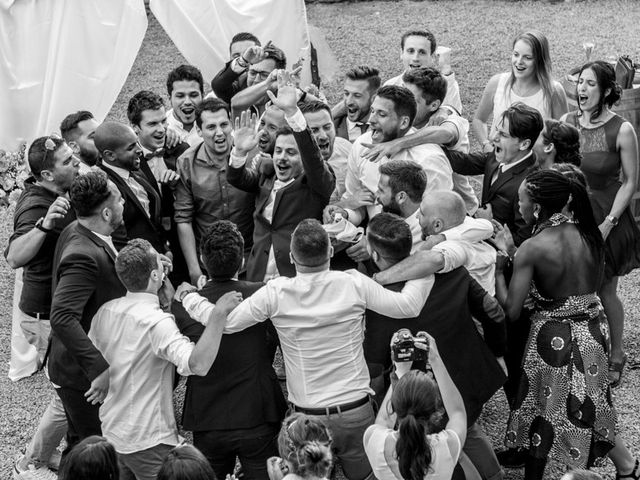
[152,194]
[507,176]
[148,174]
[97,240]
[268,187]
[281,192]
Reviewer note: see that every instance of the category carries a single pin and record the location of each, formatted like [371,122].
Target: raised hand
[245,134]
[57,210]
[287,99]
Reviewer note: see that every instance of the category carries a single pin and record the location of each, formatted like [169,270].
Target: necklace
[553,221]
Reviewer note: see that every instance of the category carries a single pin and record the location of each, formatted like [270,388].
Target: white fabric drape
[202,29]
[60,56]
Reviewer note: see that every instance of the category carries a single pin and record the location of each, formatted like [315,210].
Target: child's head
[305,444]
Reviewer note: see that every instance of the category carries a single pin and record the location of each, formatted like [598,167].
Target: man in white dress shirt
[141,343]
[318,315]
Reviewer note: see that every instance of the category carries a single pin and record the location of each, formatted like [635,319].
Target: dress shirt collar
[279,185]
[351,125]
[107,239]
[506,166]
[143,297]
[203,155]
[122,173]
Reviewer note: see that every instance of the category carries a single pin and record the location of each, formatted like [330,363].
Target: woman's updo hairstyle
[566,140]
[305,442]
[606,78]
[418,405]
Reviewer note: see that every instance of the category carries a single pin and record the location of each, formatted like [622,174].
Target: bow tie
[158,153]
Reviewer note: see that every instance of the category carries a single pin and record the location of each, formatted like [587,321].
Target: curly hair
[222,249]
[141,101]
[88,192]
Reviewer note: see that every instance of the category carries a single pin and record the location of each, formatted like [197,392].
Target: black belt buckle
[333,410]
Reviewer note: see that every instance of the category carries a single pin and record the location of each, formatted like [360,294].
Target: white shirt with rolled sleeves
[320,321]
[363,173]
[142,344]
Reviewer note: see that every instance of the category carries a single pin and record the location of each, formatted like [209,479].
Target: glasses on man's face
[261,74]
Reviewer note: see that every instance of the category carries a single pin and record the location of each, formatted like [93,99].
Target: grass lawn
[479,34]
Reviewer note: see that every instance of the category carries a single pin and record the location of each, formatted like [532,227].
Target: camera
[404,349]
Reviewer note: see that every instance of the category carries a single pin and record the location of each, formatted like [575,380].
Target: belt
[332,410]
[38,316]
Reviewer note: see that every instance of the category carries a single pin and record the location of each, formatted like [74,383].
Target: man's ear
[108,155]
[74,146]
[434,106]
[405,122]
[47,175]
[525,144]
[331,251]
[291,259]
[136,128]
[401,197]
[548,148]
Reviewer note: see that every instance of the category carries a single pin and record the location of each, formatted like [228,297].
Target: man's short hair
[244,37]
[447,205]
[211,105]
[41,154]
[188,73]
[141,101]
[313,106]
[222,249]
[89,192]
[364,72]
[284,130]
[405,176]
[310,243]
[390,236]
[403,100]
[275,54]
[69,125]
[430,82]
[134,264]
[525,122]
[419,33]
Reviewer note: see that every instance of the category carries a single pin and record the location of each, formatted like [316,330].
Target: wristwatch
[40,227]
[613,220]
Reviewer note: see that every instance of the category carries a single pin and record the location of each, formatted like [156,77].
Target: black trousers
[82,417]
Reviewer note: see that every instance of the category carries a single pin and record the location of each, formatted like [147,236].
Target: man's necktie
[362,126]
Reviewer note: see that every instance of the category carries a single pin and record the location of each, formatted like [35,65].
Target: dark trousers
[253,447]
[82,417]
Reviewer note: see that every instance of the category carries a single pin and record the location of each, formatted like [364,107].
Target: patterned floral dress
[563,407]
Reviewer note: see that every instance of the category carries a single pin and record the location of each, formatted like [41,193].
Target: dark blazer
[227,83]
[241,390]
[84,278]
[305,197]
[503,194]
[446,316]
[136,223]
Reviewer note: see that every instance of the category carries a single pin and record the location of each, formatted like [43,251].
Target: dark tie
[363,127]
[496,174]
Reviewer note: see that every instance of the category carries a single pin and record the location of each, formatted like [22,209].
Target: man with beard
[204,193]
[417,49]
[78,129]
[186,89]
[270,122]
[392,113]
[41,213]
[120,152]
[351,116]
[84,278]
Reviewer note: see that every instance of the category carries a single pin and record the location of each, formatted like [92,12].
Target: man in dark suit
[236,409]
[446,316]
[244,50]
[351,116]
[504,169]
[120,151]
[148,118]
[299,188]
[84,278]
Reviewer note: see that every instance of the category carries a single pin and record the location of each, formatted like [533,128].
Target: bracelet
[242,62]
[39,226]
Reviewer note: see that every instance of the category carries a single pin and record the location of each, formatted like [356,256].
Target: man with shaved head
[120,151]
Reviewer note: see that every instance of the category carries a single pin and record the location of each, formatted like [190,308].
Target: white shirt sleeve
[168,343]
[405,304]
[297,122]
[237,161]
[257,308]
[471,230]
[199,308]
[454,253]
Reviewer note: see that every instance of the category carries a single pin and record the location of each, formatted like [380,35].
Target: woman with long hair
[304,444]
[419,449]
[94,458]
[610,162]
[563,407]
[529,81]
[558,142]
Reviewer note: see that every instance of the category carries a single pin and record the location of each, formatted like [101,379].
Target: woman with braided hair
[304,444]
[563,406]
[559,142]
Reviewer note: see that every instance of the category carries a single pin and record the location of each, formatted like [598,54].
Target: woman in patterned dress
[610,163]
[563,407]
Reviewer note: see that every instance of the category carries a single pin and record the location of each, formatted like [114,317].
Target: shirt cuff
[297,122]
[237,161]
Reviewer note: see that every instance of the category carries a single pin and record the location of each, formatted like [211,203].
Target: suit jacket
[305,197]
[241,390]
[84,278]
[136,223]
[503,194]
[340,123]
[227,83]
[446,316]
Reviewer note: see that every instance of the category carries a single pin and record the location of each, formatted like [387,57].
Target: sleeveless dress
[504,98]
[601,165]
[563,407]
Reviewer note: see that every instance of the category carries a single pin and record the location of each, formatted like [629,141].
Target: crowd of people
[347,242]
